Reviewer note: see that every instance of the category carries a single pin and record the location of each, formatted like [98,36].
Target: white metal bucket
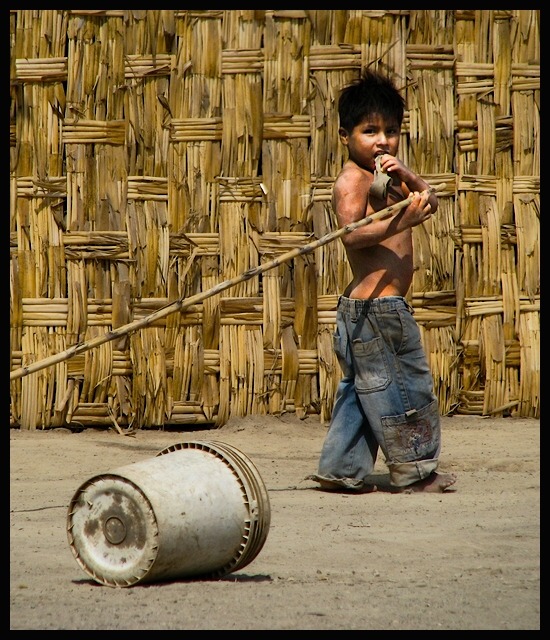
[197,509]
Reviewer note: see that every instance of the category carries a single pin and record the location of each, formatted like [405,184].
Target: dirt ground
[461,560]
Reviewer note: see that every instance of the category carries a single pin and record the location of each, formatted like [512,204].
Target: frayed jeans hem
[403,474]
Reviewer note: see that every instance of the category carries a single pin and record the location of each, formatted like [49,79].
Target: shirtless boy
[385,399]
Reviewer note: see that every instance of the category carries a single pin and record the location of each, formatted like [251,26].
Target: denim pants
[385,399]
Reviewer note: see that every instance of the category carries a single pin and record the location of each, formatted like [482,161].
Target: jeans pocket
[372,372]
[415,435]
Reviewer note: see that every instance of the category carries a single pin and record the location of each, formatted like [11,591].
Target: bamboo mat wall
[157,153]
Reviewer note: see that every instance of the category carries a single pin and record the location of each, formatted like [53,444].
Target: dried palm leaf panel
[195,100]
[530,391]
[39,274]
[240,206]
[476,79]
[241,192]
[16,333]
[383,36]
[299,323]
[44,320]
[429,140]
[147,71]
[525,99]
[285,167]
[330,372]
[38,70]
[194,258]
[94,134]
[245,391]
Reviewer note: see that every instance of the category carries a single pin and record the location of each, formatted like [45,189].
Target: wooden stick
[179,305]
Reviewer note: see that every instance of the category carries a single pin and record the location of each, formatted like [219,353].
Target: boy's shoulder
[351,172]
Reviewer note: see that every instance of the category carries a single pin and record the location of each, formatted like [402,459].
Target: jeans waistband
[356,306]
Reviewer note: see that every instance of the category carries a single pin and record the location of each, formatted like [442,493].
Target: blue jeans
[385,399]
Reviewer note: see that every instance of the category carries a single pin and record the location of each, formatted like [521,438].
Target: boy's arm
[351,203]
[410,181]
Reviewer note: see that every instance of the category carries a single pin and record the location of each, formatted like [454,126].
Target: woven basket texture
[157,156]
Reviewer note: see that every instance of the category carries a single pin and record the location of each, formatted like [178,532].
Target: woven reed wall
[156,154]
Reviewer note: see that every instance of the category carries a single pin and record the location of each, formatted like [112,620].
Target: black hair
[372,93]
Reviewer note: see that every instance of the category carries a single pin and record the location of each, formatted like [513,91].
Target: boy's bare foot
[330,486]
[342,486]
[434,483]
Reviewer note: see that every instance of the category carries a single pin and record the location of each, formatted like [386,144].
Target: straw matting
[157,153]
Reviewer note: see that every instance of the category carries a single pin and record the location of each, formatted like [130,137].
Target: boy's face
[372,137]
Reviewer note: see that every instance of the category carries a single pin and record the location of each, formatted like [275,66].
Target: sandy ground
[466,559]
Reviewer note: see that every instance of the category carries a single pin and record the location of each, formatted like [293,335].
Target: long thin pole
[179,305]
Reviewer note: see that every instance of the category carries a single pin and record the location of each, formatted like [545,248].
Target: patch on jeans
[416,437]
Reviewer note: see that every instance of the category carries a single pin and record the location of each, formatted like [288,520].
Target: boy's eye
[373,131]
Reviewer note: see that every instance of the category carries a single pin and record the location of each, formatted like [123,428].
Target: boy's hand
[392,165]
[414,183]
[419,210]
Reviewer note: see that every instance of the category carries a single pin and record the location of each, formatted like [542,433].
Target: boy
[385,399]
